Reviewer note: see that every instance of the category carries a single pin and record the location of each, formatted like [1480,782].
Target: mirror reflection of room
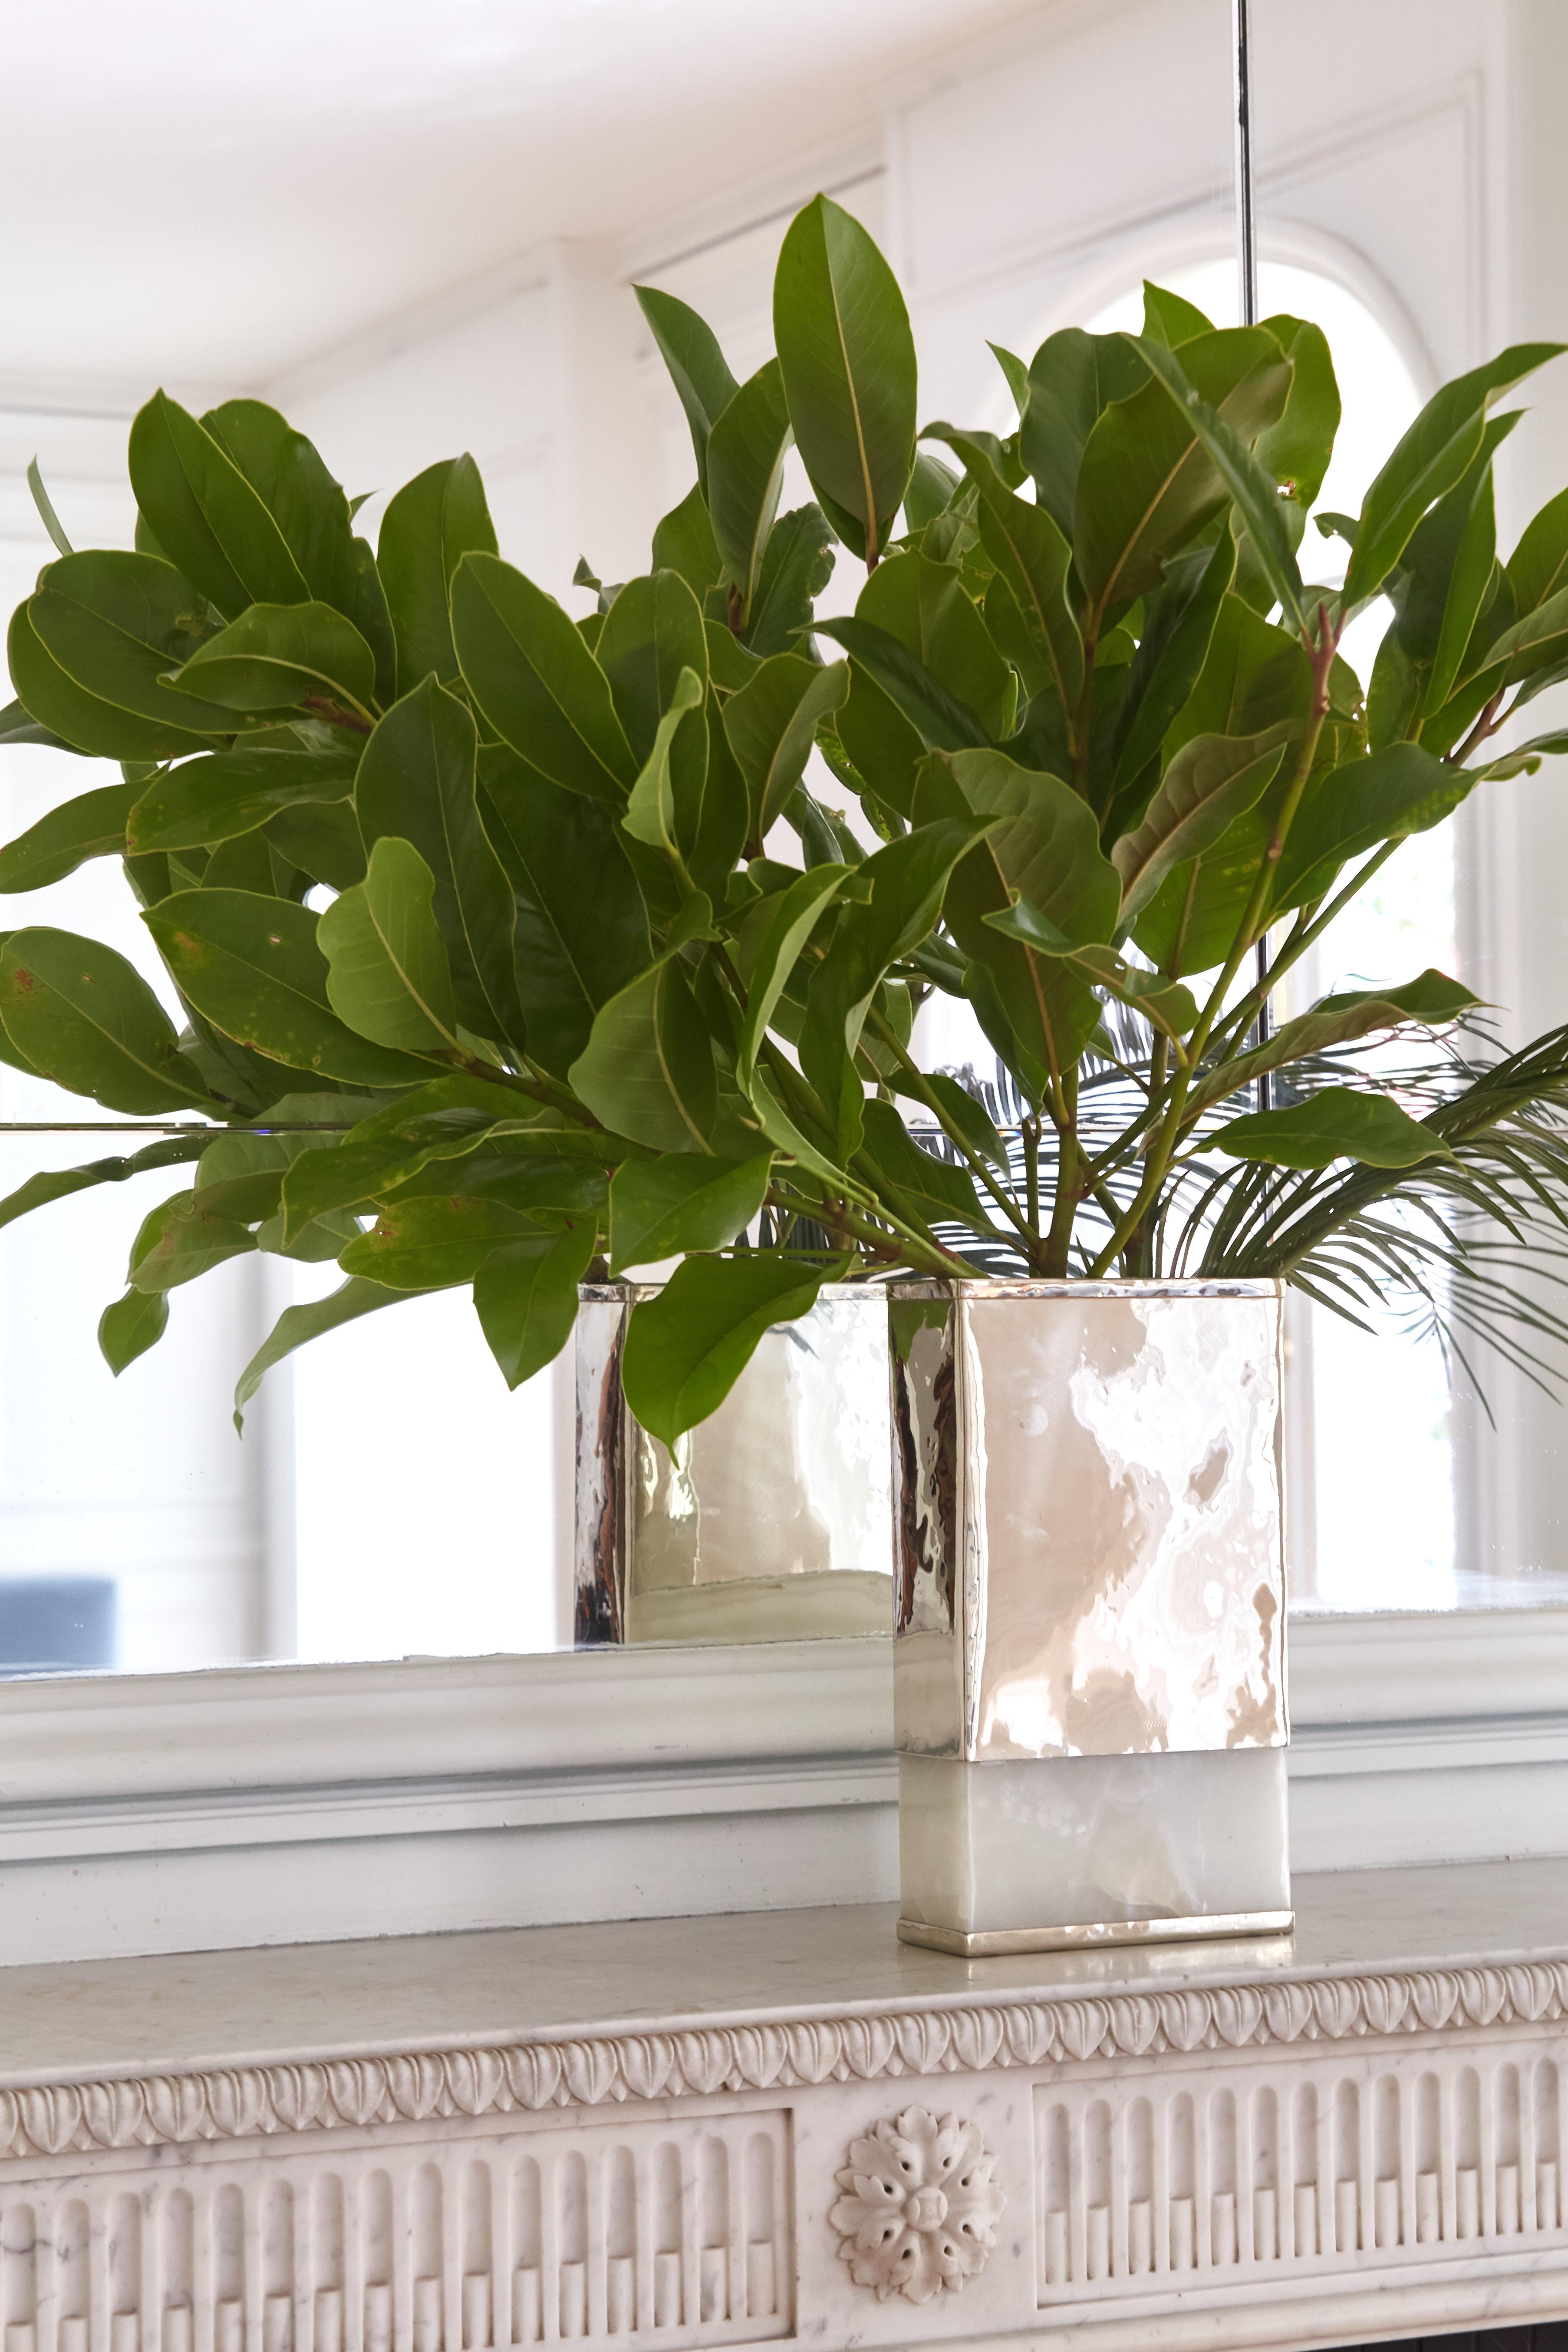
[431,238]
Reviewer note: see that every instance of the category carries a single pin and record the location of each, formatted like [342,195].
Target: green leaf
[90,648]
[1029,550]
[1166,1004]
[581,927]
[663,1208]
[388,974]
[47,514]
[131,1326]
[225,794]
[537,683]
[847,355]
[321,839]
[1072,379]
[432,1244]
[942,722]
[297,1325]
[647,1070]
[1043,845]
[1169,320]
[283,657]
[525,1297]
[969,1118]
[80,1014]
[1336,1124]
[1526,758]
[1355,808]
[51,1184]
[309,506]
[443,1119]
[1296,451]
[1251,489]
[1446,574]
[936,1189]
[1179,630]
[797,566]
[1432,999]
[18,725]
[650,810]
[1148,485]
[1538,567]
[795,913]
[1427,460]
[1212,780]
[909,880]
[418,781]
[929,491]
[772,725]
[689,349]
[1254,676]
[252,967]
[687,1349]
[427,530]
[91,825]
[927,607]
[206,516]
[684,543]
[182,1239]
[746,454]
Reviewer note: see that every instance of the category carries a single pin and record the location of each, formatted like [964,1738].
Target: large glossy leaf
[446,1117]
[772,725]
[1212,780]
[182,1239]
[90,826]
[1043,845]
[1337,1124]
[940,721]
[297,1325]
[51,1184]
[581,929]
[746,454]
[936,1189]
[430,1243]
[1427,460]
[684,543]
[1296,451]
[525,1294]
[224,794]
[647,1070]
[909,880]
[797,566]
[428,528]
[793,917]
[1178,629]
[1430,1000]
[309,506]
[388,973]
[686,1347]
[206,516]
[653,630]
[1030,550]
[132,1325]
[1442,581]
[844,345]
[1146,485]
[1072,379]
[1254,676]
[1251,485]
[284,657]
[689,349]
[417,781]
[650,810]
[926,606]
[1352,809]
[537,683]
[252,967]
[90,648]
[78,1013]
[1538,567]
[663,1208]
[322,840]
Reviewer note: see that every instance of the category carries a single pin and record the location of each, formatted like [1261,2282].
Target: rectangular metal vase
[770,1521]
[1088,1673]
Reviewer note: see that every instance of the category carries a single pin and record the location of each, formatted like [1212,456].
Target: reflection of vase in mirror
[770,1520]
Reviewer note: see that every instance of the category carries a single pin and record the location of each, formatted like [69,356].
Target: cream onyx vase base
[1089,1669]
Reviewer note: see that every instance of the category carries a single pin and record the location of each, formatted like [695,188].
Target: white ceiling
[220,191]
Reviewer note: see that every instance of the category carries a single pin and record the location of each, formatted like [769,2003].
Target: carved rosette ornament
[920,2208]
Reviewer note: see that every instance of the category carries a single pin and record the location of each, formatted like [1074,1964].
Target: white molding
[1402,1667]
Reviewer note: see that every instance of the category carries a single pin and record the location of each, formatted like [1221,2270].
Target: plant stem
[1069,1187]
[1029,1230]
[1030,1131]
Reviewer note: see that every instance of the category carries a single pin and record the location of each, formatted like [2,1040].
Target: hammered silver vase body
[770,1521]
[1089,1680]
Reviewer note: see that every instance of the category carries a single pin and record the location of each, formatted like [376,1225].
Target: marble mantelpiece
[787,2125]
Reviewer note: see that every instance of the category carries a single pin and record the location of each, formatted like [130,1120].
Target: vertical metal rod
[1247,270]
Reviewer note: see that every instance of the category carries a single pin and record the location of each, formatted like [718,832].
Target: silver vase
[771,1520]
[1089,1612]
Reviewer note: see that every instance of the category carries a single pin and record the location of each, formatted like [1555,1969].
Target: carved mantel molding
[244,2102]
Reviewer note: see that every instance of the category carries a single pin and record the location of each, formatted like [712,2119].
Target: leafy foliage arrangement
[492,972]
